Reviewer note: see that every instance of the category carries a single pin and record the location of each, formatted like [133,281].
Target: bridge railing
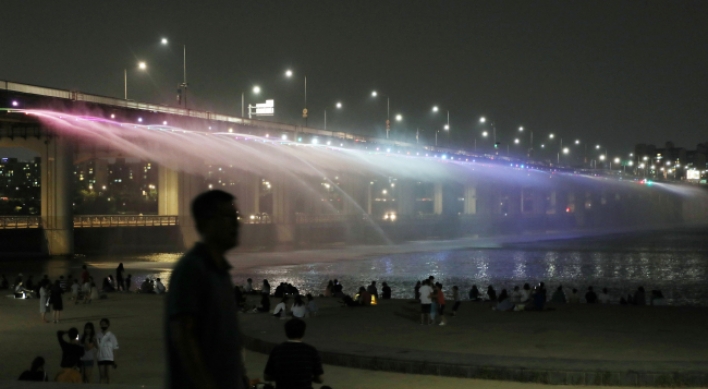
[94,221]
[20,222]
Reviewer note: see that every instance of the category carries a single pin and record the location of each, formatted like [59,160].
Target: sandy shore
[670,334]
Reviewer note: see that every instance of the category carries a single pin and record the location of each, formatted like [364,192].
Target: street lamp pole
[304,111]
[325,119]
[125,84]
[388,115]
[184,82]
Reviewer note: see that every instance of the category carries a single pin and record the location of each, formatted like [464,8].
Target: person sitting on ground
[657,298]
[338,290]
[558,296]
[240,298]
[294,364]
[591,296]
[281,308]
[311,305]
[36,372]
[525,294]
[364,298]
[328,289]
[373,290]
[146,286]
[604,297]
[385,291]
[416,291]
[574,297]
[75,289]
[264,306]
[640,297]
[159,287]
[491,293]
[298,309]
[279,290]
[504,303]
[71,353]
[62,283]
[29,284]
[248,287]
[291,289]
[94,293]
[538,300]
[107,286]
[265,287]
[474,293]
[21,292]
[515,295]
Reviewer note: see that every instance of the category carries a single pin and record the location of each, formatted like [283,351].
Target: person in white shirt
[604,297]
[107,343]
[525,294]
[515,295]
[299,309]
[159,287]
[425,302]
[574,297]
[281,309]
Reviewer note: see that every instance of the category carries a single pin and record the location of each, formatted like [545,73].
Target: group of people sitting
[528,298]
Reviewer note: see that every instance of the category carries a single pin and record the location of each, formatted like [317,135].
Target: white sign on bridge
[262,109]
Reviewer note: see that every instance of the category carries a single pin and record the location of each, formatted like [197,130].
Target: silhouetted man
[204,342]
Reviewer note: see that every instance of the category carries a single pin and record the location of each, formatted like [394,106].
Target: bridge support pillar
[57,177]
[406,197]
[190,186]
[355,195]
[438,198]
[283,211]
[167,191]
[470,199]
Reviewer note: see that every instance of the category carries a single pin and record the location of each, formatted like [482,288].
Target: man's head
[295,329]
[216,219]
[73,333]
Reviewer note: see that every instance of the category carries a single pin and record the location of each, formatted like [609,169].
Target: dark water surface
[676,262]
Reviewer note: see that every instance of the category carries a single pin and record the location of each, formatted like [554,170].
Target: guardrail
[95,221]
[20,222]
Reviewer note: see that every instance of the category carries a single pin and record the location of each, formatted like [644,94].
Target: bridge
[367,190]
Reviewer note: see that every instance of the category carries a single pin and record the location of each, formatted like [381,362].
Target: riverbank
[612,337]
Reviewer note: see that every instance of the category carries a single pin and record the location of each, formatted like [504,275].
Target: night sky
[610,72]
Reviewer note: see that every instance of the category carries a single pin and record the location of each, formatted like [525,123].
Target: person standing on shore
[56,301]
[456,298]
[425,302]
[71,353]
[88,340]
[120,282]
[204,343]
[107,344]
[43,300]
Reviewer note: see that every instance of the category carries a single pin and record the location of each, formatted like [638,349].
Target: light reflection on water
[681,275]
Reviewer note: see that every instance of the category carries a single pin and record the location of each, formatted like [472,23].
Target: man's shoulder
[295,347]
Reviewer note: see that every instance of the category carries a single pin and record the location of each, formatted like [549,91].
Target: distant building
[671,162]
[20,186]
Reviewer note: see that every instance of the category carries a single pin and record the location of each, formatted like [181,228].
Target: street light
[577,141]
[485,133]
[288,73]
[494,129]
[435,108]
[164,41]
[141,66]
[339,105]
[388,112]
[565,150]
[516,141]
[256,89]
[399,117]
